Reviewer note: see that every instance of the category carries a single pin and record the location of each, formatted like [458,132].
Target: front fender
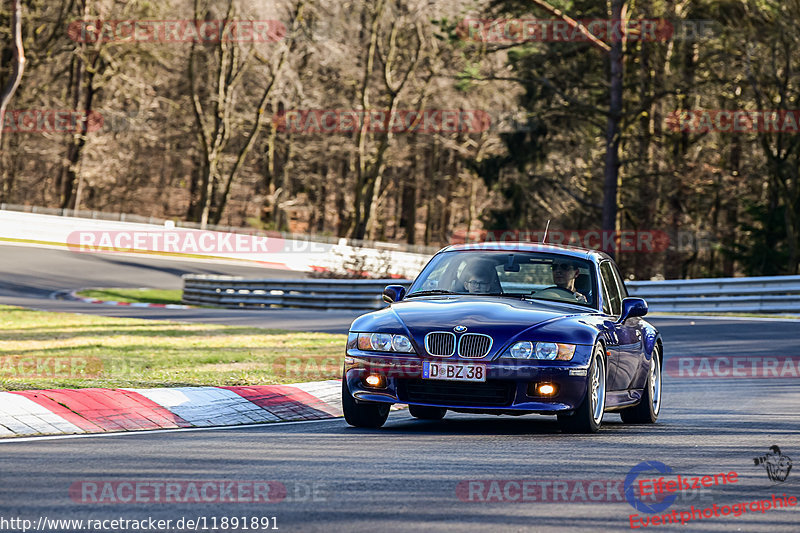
[383,320]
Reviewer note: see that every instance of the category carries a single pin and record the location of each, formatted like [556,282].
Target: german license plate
[453,371]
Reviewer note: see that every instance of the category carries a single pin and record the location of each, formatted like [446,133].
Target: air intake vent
[440,343]
[456,394]
[474,345]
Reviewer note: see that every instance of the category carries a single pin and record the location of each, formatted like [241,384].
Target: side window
[623,291]
[606,299]
[611,288]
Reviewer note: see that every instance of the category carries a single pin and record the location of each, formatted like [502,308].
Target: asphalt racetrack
[33,277]
[465,473]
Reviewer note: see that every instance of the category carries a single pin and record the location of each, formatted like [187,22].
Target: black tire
[588,417]
[646,411]
[363,414]
[424,412]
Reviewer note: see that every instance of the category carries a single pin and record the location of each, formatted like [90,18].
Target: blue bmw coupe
[507,329]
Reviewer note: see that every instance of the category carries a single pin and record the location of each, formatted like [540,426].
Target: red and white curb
[74,296]
[72,411]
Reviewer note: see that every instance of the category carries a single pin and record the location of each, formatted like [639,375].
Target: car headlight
[384,342]
[521,350]
[546,350]
[400,343]
[549,351]
[381,342]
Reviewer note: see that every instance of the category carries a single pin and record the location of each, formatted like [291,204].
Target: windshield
[537,275]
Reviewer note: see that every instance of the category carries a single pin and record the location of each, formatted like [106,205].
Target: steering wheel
[556,291]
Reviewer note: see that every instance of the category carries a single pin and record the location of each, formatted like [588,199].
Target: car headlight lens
[548,351]
[381,342]
[521,350]
[384,342]
[400,343]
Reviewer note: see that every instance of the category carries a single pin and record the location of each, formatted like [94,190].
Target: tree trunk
[322,199]
[75,150]
[343,219]
[408,208]
[676,262]
[255,129]
[611,170]
[269,175]
[19,62]
[363,188]
[283,189]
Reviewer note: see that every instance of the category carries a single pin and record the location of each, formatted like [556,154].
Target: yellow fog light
[546,389]
[542,389]
[375,380]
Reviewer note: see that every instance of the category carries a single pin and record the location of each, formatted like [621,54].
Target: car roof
[571,251]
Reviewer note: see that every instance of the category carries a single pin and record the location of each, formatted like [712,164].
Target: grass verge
[40,350]
[150,296]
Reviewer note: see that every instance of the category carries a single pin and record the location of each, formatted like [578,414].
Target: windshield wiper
[430,292]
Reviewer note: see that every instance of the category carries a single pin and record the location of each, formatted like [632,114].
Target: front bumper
[508,386]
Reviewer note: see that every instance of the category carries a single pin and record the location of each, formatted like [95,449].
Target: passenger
[564,276]
[480,277]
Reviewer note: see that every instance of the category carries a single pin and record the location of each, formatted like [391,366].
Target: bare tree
[19,61]
[216,127]
[611,170]
[370,167]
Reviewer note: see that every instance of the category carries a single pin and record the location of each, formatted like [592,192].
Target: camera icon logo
[776,464]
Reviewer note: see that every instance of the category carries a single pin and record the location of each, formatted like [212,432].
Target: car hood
[474,312]
[504,319]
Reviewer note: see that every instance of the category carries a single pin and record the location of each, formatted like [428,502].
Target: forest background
[588,133]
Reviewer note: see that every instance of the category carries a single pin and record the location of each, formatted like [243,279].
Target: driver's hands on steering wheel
[576,295]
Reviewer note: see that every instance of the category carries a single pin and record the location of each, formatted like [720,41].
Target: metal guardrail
[234,292]
[779,294]
[773,294]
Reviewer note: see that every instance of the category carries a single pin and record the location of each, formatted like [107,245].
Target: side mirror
[632,307]
[393,293]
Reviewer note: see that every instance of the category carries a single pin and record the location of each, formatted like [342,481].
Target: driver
[564,275]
